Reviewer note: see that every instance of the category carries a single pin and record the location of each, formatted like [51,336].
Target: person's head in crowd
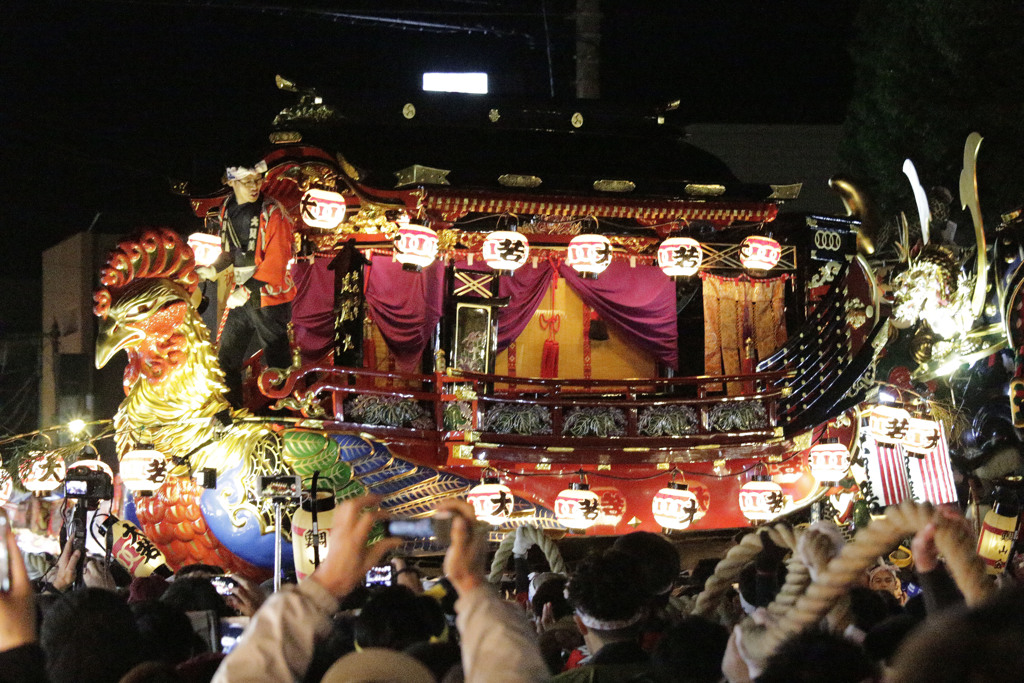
[885,577]
[146,588]
[658,561]
[166,632]
[981,644]
[819,657]
[552,591]
[690,651]
[438,657]
[607,599]
[198,570]
[395,618]
[870,607]
[195,594]
[378,665]
[89,636]
[882,641]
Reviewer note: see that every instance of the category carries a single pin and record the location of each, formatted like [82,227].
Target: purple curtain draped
[640,302]
[526,287]
[406,307]
[313,308]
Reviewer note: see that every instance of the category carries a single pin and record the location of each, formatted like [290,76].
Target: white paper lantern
[998,532]
[922,436]
[307,545]
[888,424]
[577,507]
[41,472]
[416,247]
[143,470]
[492,501]
[758,252]
[589,255]
[761,499]
[680,256]
[675,507]
[829,462]
[506,250]
[205,246]
[322,209]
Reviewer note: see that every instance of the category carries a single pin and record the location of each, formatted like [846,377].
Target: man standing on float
[256,237]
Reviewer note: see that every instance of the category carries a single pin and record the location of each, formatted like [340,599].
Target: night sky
[104,101]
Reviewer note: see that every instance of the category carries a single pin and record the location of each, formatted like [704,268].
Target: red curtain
[406,307]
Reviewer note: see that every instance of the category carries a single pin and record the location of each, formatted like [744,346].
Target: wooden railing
[556,401]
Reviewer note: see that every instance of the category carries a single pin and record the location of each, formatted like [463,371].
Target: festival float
[571,318]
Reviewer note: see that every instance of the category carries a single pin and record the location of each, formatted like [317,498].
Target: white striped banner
[931,476]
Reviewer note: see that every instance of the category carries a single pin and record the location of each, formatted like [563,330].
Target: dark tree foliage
[929,72]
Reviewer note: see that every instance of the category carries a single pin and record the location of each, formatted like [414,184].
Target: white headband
[602,625]
[242,172]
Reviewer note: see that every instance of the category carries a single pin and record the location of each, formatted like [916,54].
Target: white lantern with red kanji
[758,252]
[505,250]
[922,436]
[309,545]
[6,487]
[589,255]
[205,246]
[761,499]
[416,247]
[491,500]
[41,472]
[675,507]
[888,424]
[577,507]
[829,462]
[143,470]
[322,209]
[680,256]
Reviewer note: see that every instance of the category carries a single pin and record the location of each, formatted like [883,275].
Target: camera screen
[231,629]
[223,584]
[381,575]
[76,487]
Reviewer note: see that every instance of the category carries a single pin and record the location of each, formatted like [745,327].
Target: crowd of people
[619,615]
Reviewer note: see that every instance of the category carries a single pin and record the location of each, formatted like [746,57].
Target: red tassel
[549,360]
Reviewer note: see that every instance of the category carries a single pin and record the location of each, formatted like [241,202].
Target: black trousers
[270,326]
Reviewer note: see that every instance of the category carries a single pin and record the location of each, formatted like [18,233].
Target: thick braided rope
[740,555]
[539,538]
[848,567]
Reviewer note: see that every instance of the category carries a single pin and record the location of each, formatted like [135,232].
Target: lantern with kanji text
[998,533]
[323,209]
[491,500]
[829,462]
[416,247]
[761,499]
[680,256]
[675,507]
[504,250]
[143,469]
[577,507]
[6,487]
[888,424]
[589,255]
[309,541]
[41,472]
[922,436]
[758,252]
